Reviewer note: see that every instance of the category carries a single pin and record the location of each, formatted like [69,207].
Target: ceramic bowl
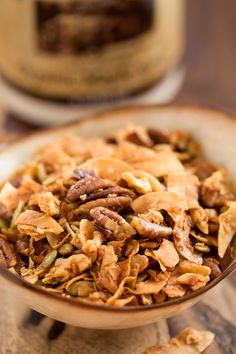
[216,131]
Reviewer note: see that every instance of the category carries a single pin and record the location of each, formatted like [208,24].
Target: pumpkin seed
[49,259]
[74,228]
[69,229]
[40,283]
[141,278]
[17,212]
[66,249]
[146,299]
[4,224]
[201,247]
[81,288]
[199,238]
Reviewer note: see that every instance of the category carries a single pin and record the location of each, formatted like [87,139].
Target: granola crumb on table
[138,218]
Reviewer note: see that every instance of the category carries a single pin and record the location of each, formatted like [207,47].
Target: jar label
[88,49]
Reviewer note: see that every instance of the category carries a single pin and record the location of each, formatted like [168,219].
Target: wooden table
[210,81]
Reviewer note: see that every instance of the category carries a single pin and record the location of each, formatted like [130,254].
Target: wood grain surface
[210,81]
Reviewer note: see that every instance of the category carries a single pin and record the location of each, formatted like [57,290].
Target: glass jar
[89,50]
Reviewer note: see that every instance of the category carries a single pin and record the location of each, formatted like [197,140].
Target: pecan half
[86,186]
[150,230]
[115,203]
[7,255]
[113,222]
[109,192]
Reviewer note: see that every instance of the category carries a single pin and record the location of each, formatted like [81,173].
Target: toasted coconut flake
[186,185]
[160,165]
[47,203]
[182,241]
[86,229]
[8,191]
[216,190]
[37,224]
[149,287]
[140,262]
[141,158]
[113,299]
[191,267]
[189,341]
[13,196]
[91,247]
[159,200]
[65,269]
[227,228]
[195,281]
[107,167]
[166,255]
[109,271]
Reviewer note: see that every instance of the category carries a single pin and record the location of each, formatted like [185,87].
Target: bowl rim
[112,114]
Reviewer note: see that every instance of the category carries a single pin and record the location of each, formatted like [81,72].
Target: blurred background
[210,54]
[207,62]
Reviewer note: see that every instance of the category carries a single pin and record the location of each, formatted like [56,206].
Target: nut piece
[93,191]
[142,182]
[112,222]
[150,230]
[117,203]
[190,267]
[212,264]
[108,192]
[7,255]
[86,186]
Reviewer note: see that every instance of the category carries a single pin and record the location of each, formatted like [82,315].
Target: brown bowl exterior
[216,131]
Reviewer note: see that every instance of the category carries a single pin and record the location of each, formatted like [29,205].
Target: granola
[138,218]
